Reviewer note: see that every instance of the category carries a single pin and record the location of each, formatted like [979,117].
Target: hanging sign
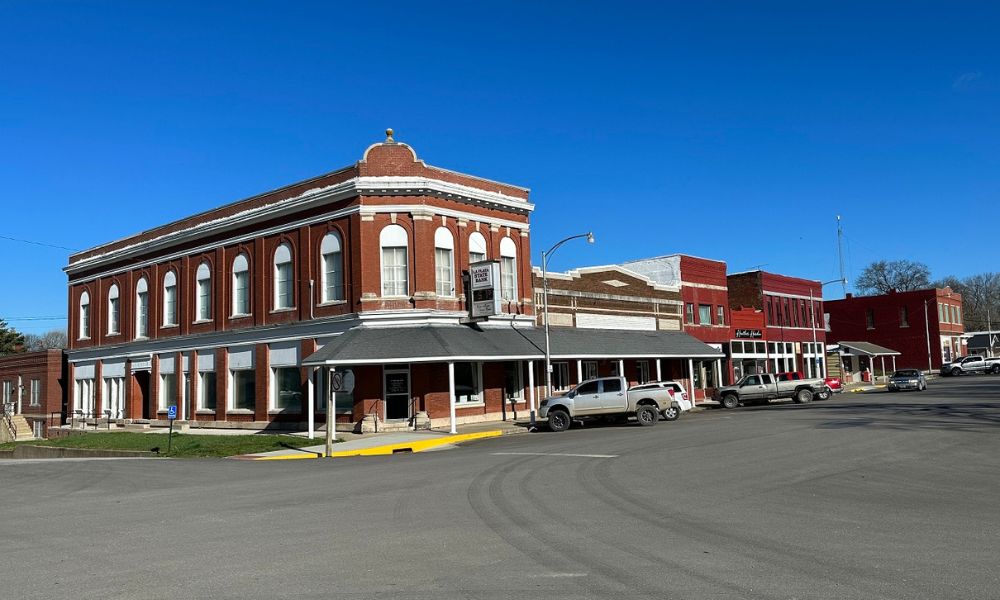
[484,282]
[749,334]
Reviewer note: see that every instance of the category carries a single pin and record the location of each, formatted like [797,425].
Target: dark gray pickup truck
[764,387]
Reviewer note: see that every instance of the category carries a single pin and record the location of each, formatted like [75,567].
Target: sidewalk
[393,442]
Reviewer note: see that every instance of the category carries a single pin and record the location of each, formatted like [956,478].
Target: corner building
[218,313]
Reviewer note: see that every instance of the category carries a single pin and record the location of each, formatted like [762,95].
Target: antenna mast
[840,253]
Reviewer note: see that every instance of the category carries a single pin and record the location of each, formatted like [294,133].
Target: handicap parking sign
[172,412]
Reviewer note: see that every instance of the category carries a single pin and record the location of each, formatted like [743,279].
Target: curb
[414,446]
[870,388]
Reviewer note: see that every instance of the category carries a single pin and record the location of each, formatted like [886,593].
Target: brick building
[32,386]
[240,314]
[904,321]
[790,318]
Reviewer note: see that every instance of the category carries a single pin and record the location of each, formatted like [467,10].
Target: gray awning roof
[442,343]
[869,348]
[982,340]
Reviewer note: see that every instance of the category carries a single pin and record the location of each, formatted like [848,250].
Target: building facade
[32,385]
[215,313]
[924,326]
[792,329]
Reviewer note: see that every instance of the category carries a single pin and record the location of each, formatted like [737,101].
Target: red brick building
[793,333]
[215,313]
[32,385]
[907,322]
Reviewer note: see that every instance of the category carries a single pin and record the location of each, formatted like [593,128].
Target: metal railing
[8,424]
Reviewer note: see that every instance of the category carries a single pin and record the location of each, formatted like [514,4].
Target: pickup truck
[764,387]
[611,398]
[963,365]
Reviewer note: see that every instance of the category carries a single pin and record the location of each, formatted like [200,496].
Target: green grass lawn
[183,445]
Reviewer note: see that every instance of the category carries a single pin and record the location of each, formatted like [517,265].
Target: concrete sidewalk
[380,444]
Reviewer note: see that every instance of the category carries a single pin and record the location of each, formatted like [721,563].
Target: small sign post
[171,415]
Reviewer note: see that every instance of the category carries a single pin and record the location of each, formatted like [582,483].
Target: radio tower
[840,253]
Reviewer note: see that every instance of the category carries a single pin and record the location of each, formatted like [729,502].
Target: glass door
[396,387]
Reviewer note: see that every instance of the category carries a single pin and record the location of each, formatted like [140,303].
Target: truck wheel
[671,413]
[956,372]
[559,420]
[646,415]
[824,394]
[803,396]
[995,369]
[730,401]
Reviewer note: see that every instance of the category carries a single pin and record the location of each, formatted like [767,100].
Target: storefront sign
[749,334]
[485,283]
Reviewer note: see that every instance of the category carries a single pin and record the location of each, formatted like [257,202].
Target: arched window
[241,286]
[395,280]
[284,287]
[444,261]
[332,269]
[508,269]
[169,299]
[203,302]
[477,247]
[114,311]
[84,315]
[141,309]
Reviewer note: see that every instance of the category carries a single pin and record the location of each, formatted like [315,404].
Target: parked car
[836,386]
[823,394]
[965,365]
[680,401]
[907,379]
[764,387]
[609,397]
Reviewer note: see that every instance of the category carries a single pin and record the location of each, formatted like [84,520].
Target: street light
[812,309]
[545,306]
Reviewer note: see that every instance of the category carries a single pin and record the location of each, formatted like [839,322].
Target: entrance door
[141,388]
[396,383]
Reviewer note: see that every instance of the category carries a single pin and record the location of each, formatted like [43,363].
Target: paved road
[865,496]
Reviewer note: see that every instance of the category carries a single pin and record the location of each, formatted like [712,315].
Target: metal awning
[868,349]
[449,343]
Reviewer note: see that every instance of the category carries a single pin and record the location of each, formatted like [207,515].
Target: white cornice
[358,186]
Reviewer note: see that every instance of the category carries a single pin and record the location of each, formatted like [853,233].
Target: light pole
[545,306]
[812,309]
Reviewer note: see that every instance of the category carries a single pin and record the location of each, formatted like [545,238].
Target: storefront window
[244,389]
[287,388]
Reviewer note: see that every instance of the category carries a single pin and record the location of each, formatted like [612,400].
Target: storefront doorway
[396,382]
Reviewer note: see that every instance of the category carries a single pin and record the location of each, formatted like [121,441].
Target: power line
[51,318]
[14,239]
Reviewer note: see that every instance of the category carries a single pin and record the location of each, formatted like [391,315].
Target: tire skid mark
[485,494]
[640,554]
[600,483]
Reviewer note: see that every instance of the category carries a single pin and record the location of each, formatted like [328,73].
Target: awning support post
[451,395]
[659,371]
[621,369]
[311,399]
[531,390]
[691,379]
[579,370]
[893,364]
[883,366]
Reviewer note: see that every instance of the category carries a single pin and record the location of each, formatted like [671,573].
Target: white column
[451,395]
[883,366]
[659,371]
[20,393]
[893,364]
[579,370]
[691,380]
[621,368]
[182,381]
[718,372]
[531,389]
[311,400]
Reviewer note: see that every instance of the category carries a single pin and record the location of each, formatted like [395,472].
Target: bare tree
[980,297]
[884,276]
[51,339]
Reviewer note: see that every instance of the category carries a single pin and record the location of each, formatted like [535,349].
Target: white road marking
[554,454]
[556,575]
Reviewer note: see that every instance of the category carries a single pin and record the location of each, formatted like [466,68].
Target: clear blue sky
[716,129]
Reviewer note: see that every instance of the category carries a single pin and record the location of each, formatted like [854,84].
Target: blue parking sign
[172,412]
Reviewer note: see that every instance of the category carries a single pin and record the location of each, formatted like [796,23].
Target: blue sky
[722,130]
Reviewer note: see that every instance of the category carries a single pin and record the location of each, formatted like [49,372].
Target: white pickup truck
[611,398]
[963,365]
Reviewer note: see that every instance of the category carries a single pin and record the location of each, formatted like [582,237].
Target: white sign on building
[484,279]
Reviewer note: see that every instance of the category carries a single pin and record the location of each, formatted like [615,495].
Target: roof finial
[388,136]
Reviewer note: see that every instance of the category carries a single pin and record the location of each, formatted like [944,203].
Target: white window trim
[393,236]
[508,250]
[114,323]
[283,257]
[243,263]
[477,245]
[203,274]
[142,287]
[169,281]
[84,333]
[559,366]
[331,244]
[35,392]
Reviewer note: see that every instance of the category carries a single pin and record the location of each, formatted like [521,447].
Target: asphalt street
[867,496]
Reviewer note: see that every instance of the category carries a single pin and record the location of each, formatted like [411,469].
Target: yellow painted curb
[414,446]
